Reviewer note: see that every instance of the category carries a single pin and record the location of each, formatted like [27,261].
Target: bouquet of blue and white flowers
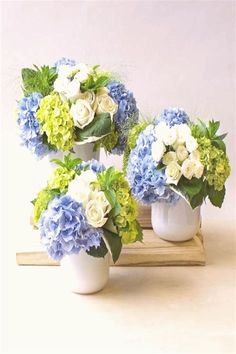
[174,157]
[86,207]
[72,103]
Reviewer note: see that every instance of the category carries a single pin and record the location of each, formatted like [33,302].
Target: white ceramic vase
[175,222]
[84,151]
[85,274]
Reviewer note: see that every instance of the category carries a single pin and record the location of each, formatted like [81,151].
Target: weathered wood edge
[154,252]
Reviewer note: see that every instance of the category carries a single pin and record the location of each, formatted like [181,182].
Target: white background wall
[169,53]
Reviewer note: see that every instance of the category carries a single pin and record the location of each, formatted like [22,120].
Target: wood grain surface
[152,252]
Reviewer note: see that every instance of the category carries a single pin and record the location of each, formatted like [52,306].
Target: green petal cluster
[108,142]
[131,141]
[61,178]
[217,167]
[57,184]
[126,219]
[56,121]
[41,203]
[130,234]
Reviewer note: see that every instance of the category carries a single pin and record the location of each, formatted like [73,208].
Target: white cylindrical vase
[85,274]
[175,222]
[85,152]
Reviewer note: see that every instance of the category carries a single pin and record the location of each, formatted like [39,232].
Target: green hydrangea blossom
[124,207]
[56,121]
[217,167]
[41,203]
[126,219]
[61,178]
[129,234]
[108,142]
[120,221]
[131,141]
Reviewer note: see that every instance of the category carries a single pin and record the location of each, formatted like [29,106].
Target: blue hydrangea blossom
[148,185]
[64,61]
[126,115]
[64,229]
[94,165]
[29,125]
[173,116]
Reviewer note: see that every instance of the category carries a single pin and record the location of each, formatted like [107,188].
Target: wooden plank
[144,217]
[152,252]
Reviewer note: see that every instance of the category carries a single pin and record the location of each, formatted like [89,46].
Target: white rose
[61,84]
[95,214]
[105,104]
[73,90]
[191,144]
[160,130]
[169,136]
[65,71]
[188,168]
[82,113]
[169,157]
[165,133]
[101,200]
[195,155]
[158,149]
[88,96]
[183,132]
[173,173]
[198,169]
[83,71]
[88,176]
[79,191]
[79,188]
[182,153]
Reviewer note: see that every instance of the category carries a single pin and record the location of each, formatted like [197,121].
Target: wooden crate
[152,252]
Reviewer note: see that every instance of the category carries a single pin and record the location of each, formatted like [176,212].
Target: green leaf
[222,136]
[102,81]
[193,190]
[28,76]
[58,162]
[216,197]
[113,241]
[68,162]
[219,144]
[89,84]
[140,232]
[110,226]
[212,128]
[95,67]
[95,80]
[74,163]
[197,200]
[39,80]
[106,180]
[111,196]
[202,127]
[116,209]
[98,252]
[161,166]
[100,126]
[191,187]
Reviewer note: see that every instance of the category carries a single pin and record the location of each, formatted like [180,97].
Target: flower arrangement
[73,103]
[86,207]
[174,157]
